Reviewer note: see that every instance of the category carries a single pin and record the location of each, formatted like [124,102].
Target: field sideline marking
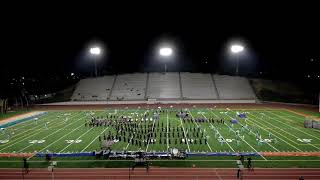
[94,139]
[256,122]
[57,124]
[243,139]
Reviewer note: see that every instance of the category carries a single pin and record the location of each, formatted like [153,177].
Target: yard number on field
[73,141]
[304,140]
[37,141]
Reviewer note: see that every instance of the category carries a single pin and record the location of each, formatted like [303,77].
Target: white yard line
[291,126]
[243,139]
[28,137]
[251,133]
[293,134]
[49,135]
[152,132]
[273,132]
[27,134]
[219,134]
[76,139]
[132,136]
[167,132]
[94,140]
[198,126]
[58,140]
[23,124]
[65,134]
[184,132]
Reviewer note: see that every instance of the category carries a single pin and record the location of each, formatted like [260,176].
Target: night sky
[280,40]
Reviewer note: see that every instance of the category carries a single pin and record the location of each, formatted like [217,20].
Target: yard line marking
[51,134]
[200,126]
[292,126]
[94,139]
[222,136]
[253,133]
[256,122]
[152,132]
[294,135]
[132,136]
[76,139]
[242,138]
[28,137]
[58,139]
[24,132]
[184,132]
[28,122]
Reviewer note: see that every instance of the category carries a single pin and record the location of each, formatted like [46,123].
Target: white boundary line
[94,139]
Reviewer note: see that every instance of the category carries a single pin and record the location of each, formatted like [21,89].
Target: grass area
[11,113]
[261,131]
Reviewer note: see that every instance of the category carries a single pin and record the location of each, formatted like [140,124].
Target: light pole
[165,52]
[237,49]
[95,53]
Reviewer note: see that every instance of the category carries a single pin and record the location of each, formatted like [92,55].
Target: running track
[163,173]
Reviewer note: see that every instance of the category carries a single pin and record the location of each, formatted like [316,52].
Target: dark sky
[280,38]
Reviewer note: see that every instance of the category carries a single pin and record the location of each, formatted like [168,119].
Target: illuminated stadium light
[165,51]
[95,50]
[236,48]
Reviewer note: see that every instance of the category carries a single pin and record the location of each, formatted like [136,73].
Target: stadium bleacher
[198,86]
[163,86]
[172,85]
[129,87]
[93,89]
[233,87]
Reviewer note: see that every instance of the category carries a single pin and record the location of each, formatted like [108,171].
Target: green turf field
[281,131]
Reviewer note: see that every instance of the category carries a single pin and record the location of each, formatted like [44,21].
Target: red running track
[163,173]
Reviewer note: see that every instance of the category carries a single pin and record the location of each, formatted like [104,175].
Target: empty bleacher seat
[233,87]
[129,87]
[197,86]
[164,86]
[93,89]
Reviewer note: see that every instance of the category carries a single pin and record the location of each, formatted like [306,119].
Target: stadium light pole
[236,49]
[165,52]
[95,53]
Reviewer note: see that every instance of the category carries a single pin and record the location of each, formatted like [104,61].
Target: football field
[261,131]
